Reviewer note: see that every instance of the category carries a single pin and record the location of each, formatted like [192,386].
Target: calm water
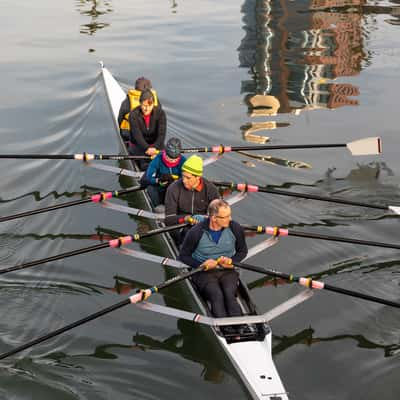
[229,71]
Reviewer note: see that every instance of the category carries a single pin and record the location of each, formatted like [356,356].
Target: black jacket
[194,235]
[155,135]
[180,202]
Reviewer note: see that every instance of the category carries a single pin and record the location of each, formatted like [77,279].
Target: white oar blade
[395,209]
[367,146]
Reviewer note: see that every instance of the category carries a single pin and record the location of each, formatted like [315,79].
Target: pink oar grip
[272,231]
[120,241]
[314,284]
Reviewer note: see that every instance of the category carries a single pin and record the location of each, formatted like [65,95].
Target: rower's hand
[225,262]
[210,264]
[151,151]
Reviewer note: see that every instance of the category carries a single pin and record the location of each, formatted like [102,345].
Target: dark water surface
[321,71]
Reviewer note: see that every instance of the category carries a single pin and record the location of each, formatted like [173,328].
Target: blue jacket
[157,168]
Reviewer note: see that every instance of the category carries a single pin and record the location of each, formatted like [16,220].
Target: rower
[216,241]
[164,169]
[189,196]
[131,102]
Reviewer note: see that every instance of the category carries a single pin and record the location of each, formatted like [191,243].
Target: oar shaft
[142,295]
[97,197]
[344,239]
[308,282]
[320,198]
[44,209]
[266,189]
[112,243]
[225,149]
[78,156]
[55,258]
[276,231]
[65,329]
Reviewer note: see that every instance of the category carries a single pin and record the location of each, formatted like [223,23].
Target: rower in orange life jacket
[132,101]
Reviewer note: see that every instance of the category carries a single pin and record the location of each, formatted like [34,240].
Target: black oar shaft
[344,239]
[319,285]
[288,146]
[44,209]
[65,329]
[320,198]
[88,249]
[266,189]
[68,204]
[132,299]
[81,157]
[289,232]
[223,148]
[55,258]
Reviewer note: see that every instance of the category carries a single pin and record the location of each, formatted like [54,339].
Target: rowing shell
[250,353]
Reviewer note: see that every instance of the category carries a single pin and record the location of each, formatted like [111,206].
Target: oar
[372,145]
[136,298]
[79,156]
[244,187]
[95,198]
[309,283]
[121,241]
[276,231]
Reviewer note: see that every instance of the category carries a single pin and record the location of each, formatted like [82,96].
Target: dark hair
[142,83]
[146,95]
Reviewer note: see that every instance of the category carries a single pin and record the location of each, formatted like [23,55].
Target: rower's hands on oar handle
[194,219]
[225,262]
[166,179]
[152,151]
[210,264]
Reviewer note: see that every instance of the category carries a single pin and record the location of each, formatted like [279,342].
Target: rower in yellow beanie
[188,196]
[193,165]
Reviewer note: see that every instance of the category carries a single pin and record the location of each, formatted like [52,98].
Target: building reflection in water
[93,9]
[293,51]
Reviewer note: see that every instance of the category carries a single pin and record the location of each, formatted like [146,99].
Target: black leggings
[219,288]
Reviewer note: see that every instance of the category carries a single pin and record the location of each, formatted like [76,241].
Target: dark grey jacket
[180,202]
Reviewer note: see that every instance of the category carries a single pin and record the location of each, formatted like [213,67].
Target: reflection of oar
[276,160]
[359,147]
[136,298]
[112,243]
[309,283]
[79,156]
[276,231]
[95,198]
[244,187]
